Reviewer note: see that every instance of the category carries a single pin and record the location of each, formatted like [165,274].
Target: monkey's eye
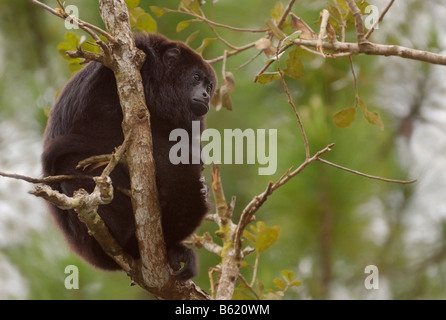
[209,88]
[197,77]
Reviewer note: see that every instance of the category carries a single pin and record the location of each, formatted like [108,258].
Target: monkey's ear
[170,56]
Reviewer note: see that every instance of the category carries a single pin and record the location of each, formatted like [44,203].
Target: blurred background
[333,224]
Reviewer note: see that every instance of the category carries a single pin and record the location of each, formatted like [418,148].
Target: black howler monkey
[86,121]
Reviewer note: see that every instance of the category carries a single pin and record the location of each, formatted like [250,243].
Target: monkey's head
[178,82]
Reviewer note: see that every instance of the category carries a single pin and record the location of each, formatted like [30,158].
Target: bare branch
[43,180]
[376,49]
[290,101]
[366,175]
[204,19]
[285,13]
[323,31]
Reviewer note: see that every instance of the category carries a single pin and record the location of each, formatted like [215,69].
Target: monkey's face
[201,92]
[179,83]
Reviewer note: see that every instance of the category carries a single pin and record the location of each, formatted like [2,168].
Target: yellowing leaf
[204,44]
[268,77]
[266,238]
[295,283]
[345,117]
[294,67]
[279,283]
[248,235]
[288,275]
[271,24]
[157,11]
[145,22]
[277,11]
[373,118]
[272,295]
[190,5]
[182,25]
[132,3]
[240,294]
[192,37]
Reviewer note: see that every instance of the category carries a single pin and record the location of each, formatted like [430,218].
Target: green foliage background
[325,223]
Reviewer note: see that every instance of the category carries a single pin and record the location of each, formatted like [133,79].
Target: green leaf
[279,283]
[183,25]
[268,77]
[295,283]
[288,275]
[277,11]
[157,11]
[145,22]
[344,118]
[266,238]
[294,66]
[88,46]
[132,3]
[271,24]
[290,38]
[75,65]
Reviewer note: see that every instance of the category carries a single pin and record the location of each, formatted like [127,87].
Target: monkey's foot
[179,254]
[94,162]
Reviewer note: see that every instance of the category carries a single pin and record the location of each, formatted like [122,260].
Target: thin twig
[204,19]
[44,180]
[290,101]
[285,13]
[355,82]
[245,282]
[366,175]
[325,15]
[232,53]
[369,33]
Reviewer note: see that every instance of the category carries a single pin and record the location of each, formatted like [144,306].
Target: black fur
[86,121]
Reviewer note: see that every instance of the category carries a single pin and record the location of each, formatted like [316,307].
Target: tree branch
[358,21]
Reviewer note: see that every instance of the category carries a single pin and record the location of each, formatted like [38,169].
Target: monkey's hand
[94,162]
[178,254]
